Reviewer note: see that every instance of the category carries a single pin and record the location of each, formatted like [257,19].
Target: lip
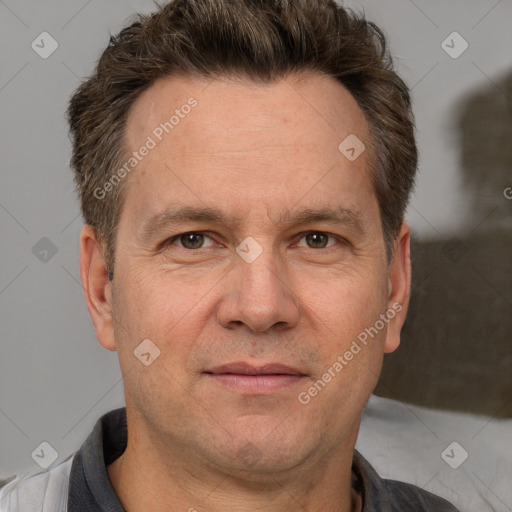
[242,368]
[249,379]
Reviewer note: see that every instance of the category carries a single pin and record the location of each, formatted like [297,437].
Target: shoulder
[29,492]
[391,495]
[404,496]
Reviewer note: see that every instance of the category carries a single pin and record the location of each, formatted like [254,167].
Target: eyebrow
[154,224]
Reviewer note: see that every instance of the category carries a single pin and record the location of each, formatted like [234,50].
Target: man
[243,168]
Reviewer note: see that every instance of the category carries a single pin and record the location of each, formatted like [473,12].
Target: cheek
[153,309]
[351,356]
[162,311]
[344,312]
[343,304]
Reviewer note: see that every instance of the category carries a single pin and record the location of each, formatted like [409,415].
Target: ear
[97,287]
[399,287]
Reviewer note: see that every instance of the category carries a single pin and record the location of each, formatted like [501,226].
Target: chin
[263,450]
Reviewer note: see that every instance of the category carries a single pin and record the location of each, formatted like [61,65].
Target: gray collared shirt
[81,483]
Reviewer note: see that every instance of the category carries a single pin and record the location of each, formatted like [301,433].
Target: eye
[318,239]
[190,240]
[195,240]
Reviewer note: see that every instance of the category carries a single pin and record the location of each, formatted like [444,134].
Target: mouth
[255,380]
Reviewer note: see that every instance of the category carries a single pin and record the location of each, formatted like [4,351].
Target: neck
[149,476]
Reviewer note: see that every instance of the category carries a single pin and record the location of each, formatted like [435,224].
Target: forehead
[312,107]
[246,146]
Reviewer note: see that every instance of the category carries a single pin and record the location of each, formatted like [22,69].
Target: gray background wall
[56,380]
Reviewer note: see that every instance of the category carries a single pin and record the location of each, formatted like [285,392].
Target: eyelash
[170,241]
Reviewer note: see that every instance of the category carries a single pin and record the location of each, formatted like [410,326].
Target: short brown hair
[263,40]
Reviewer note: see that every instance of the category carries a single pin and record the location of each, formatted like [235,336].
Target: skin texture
[253,151]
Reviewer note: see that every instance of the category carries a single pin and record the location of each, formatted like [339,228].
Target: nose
[259,295]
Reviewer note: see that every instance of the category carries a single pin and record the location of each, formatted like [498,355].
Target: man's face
[297,292]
